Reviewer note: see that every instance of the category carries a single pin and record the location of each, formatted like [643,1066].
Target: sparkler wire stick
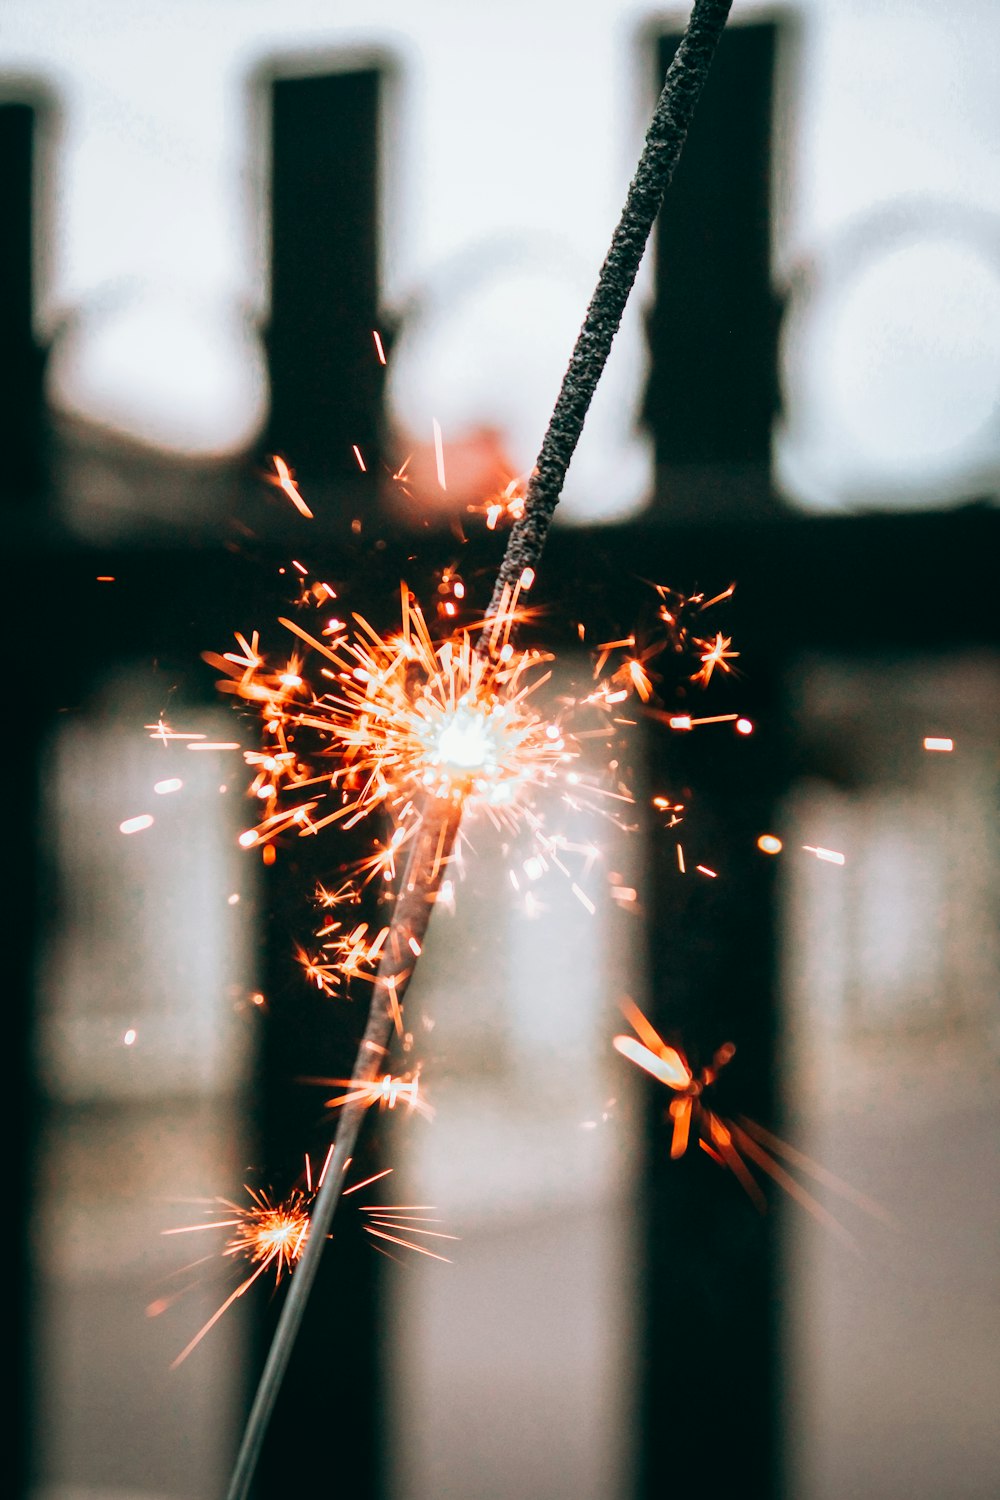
[411,914]
[660,153]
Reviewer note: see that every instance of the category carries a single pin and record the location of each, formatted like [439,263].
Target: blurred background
[365,240]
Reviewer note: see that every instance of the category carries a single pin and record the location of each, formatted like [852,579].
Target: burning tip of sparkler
[130,1038]
[937,742]
[769,843]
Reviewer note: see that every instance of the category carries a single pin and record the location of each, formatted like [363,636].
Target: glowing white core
[464,742]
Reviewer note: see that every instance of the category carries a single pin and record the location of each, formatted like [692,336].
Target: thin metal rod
[424,869]
[664,140]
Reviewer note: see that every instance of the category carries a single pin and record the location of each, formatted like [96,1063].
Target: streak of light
[439,454]
[285,480]
[162,731]
[137,824]
[831,856]
[583,898]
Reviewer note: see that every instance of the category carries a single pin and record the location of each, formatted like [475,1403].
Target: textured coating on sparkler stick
[660,153]
[411,914]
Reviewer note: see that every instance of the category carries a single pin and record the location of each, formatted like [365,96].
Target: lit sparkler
[476,737]
[396,721]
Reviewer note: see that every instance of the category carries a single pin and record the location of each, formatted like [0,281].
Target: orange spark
[729,1142]
[285,480]
[716,654]
[270,1236]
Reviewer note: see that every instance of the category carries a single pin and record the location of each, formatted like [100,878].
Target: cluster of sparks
[269,1236]
[394,723]
[435,725]
[358,723]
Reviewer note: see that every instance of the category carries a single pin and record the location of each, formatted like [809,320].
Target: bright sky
[157,248]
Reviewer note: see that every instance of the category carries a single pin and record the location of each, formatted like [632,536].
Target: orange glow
[508,504]
[768,843]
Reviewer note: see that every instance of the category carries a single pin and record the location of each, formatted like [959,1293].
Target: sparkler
[459,756]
